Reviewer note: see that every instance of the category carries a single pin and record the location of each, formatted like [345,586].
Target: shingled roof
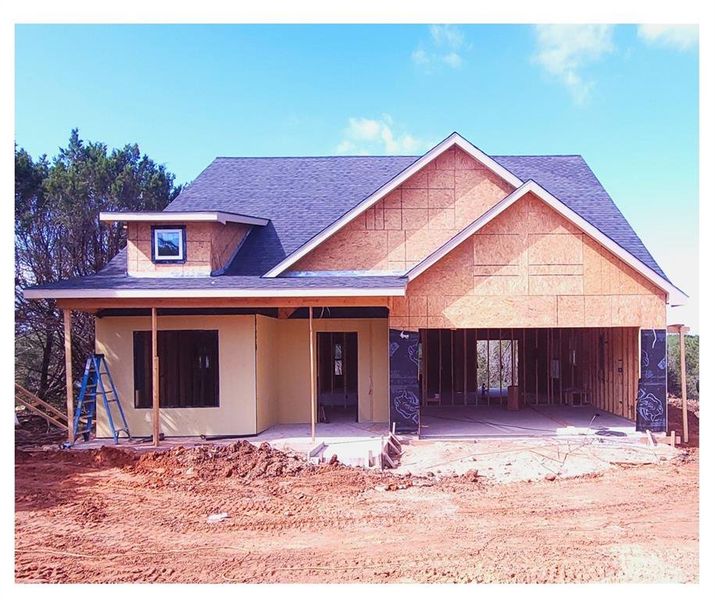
[304,198]
[303,195]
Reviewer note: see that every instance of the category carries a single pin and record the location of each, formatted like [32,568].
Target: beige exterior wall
[236,413]
[209,247]
[294,367]
[530,267]
[264,372]
[267,372]
[412,221]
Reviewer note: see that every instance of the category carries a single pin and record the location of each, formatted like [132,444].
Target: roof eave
[210,216]
[109,293]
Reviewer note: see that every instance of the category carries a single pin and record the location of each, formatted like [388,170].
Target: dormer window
[168,244]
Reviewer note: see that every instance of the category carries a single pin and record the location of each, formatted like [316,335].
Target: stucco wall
[530,267]
[236,413]
[294,367]
[412,221]
[267,372]
[264,372]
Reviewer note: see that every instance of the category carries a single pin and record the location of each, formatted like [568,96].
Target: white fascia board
[211,293]
[675,297]
[453,140]
[298,274]
[181,217]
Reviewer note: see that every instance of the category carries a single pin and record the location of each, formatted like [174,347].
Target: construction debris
[217,517]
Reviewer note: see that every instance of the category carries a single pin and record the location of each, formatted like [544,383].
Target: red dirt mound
[240,459]
[675,420]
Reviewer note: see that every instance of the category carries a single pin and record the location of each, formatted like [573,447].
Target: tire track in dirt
[109,519]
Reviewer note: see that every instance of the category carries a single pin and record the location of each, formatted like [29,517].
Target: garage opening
[528,378]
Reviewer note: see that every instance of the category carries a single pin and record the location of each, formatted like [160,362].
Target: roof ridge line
[326,156]
[383,156]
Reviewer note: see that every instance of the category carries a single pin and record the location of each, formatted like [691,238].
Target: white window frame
[181,257]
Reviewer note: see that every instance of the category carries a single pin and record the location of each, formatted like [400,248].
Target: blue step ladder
[94,384]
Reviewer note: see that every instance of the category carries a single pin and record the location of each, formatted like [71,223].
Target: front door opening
[337,377]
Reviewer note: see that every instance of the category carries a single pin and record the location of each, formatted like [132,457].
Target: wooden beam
[285,313]
[313,408]
[67,313]
[155,415]
[683,384]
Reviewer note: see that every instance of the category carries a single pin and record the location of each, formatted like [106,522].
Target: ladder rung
[97,381]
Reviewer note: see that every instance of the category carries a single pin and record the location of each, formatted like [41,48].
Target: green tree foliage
[58,236]
[692,365]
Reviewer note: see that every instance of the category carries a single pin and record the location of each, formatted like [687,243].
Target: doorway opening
[468,367]
[337,377]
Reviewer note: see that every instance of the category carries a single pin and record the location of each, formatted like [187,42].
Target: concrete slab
[500,445]
[291,437]
[506,460]
[461,422]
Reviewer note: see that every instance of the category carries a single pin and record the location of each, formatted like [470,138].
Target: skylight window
[168,244]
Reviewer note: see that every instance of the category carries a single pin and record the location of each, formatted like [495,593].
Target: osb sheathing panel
[530,267]
[413,220]
[225,240]
[209,247]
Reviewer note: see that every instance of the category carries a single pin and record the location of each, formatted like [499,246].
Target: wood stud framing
[155,413]
[68,374]
[550,366]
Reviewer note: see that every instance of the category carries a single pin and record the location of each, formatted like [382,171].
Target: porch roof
[109,284]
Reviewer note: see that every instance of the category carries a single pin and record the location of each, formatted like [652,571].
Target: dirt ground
[114,516]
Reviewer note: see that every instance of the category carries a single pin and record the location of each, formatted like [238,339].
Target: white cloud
[377,136]
[447,35]
[564,51]
[679,37]
[445,47]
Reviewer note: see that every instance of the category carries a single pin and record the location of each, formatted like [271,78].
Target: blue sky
[626,98]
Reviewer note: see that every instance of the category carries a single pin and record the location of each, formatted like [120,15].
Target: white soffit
[675,296]
[453,140]
[180,217]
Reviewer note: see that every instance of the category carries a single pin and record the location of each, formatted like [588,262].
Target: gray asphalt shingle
[109,279]
[303,195]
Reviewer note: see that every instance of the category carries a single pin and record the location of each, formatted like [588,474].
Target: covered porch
[276,365]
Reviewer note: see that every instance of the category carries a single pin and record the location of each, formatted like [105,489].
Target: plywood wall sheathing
[412,221]
[530,267]
[209,247]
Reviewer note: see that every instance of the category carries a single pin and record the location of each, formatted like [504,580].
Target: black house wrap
[404,382]
[652,401]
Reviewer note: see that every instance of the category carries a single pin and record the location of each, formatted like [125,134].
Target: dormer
[182,243]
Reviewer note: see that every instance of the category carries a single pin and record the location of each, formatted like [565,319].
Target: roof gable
[302,196]
[675,295]
[453,140]
[411,221]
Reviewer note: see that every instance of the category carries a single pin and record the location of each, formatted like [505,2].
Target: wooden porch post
[683,383]
[312,374]
[67,313]
[156,426]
